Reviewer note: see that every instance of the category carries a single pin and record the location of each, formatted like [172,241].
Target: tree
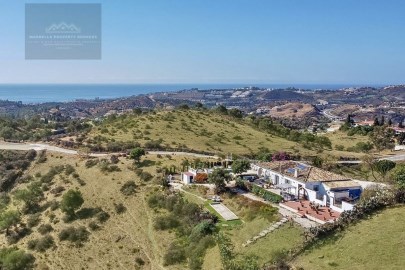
[369,161]
[398,175]
[8,219]
[71,201]
[240,166]
[384,166]
[382,138]
[221,109]
[31,196]
[15,259]
[183,107]
[235,113]
[401,138]
[184,164]
[137,153]
[376,122]
[219,177]
[317,161]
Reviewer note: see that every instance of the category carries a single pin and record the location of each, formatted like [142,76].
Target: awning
[284,186]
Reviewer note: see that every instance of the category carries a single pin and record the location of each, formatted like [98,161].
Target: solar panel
[290,170]
[301,166]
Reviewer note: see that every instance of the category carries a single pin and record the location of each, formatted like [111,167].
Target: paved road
[51,148]
[43,146]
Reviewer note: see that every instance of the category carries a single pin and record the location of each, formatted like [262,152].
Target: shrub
[69,169]
[267,195]
[102,216]
[93,226]
[75,235]
[15,259]
[114,159]
[119,208]
[175,254]
[128,188]
[91,163]
[41,244]
[45,228]
[139,261]
[166,222]
[33,220]
[145,176]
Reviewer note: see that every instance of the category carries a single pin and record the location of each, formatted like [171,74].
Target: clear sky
[224,41]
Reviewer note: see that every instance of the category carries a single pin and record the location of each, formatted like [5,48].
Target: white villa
[302,181]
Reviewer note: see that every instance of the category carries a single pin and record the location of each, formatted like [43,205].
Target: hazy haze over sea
[41,93]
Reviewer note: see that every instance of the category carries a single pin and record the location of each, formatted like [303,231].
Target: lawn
[377,243]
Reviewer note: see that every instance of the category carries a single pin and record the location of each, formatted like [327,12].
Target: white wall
[347,206]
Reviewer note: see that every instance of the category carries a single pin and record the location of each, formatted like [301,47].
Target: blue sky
[226,41]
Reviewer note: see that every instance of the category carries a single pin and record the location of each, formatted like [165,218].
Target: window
[316,188]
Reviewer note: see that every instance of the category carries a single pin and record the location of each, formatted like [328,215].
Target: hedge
[267,195]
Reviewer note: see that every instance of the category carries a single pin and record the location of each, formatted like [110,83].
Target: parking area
[224,211]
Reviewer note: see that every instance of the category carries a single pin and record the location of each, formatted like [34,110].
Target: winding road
[42,146]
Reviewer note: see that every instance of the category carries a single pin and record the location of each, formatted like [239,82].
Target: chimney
[296,173]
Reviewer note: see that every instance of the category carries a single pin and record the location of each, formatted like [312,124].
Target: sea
[42,93]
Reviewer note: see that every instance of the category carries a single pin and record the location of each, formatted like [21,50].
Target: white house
[187,177]
[302,181]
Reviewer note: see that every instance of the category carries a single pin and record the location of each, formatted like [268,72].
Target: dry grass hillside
[293,109]
[124,241]
[197,130]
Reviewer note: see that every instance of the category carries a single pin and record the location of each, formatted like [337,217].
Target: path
[265,232]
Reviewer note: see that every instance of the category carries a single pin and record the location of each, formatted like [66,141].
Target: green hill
[371,244]
[192,129]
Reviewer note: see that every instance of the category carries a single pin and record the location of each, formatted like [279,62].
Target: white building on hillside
[303,181]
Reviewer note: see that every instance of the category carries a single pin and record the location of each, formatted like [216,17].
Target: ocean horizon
[43,93]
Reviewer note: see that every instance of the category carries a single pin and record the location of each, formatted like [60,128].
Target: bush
[267,195]
[93,226]
[45,228]
[75,235]
[91,163]
[15,259]
[166,222]
[139,261]
[33,220]
[120,208]
[145,176]
[102,216]
[175,254]
[129,188]
[69,169]
[42,244]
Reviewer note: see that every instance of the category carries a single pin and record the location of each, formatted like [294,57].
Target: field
[376,243]
[197,130]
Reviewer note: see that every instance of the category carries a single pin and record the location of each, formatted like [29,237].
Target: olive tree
[137,153]
[71,201]
[240,165]
[219,177]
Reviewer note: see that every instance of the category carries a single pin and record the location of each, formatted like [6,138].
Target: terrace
[314,212]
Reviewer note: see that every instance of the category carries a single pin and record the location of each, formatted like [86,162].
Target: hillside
[191,129]
[123,237]
[371,244]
